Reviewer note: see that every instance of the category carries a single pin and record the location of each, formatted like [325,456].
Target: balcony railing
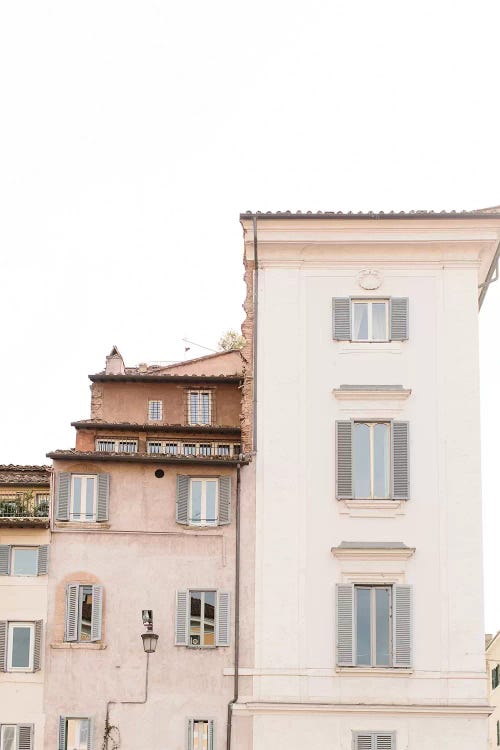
[24,505]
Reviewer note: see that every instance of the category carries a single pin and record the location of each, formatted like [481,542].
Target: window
[203,501]
[494,677]
[200,734]
[75,733]
[370,320]
[373,626]
[117,446]
[20,647]
[371,459]
[223,450]
[205,449]
[83,497]
[374,741]
[155,411]
[83,612]
[199,407]
[202,619]
[190,449]
[24,561]
[16,736]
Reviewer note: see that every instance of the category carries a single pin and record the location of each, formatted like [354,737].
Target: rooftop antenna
[193,343]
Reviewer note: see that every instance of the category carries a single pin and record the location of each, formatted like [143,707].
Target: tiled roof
[156,373]
[420,214]
[101,424]
[13,474]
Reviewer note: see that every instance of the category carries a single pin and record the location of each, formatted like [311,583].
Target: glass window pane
[21,637]
[171,448]
[363,627]
[360,322]
[382,627]
[362,460]
[195,500]
[195,618]
[205,408]
[211,490]
[209,619]
[381,460]
[193,407]
[77,496]
[200,735]
[379,321]
[77,734]
[25,562]
[86,614]
[89,498]
[8,737]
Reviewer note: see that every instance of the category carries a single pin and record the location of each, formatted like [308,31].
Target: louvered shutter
[223,619]
[400,460]
[181,618]
[43,559]
[363,742]
[63,492]
[402,625]
[345,625]
[190,734]
[62,733]
[4,559]
[102,497]
[384,742]
[24,737]
[211,745]
[182,499]
[96,624]
[72,596]
[224,500]
[399,318]
[3,645]
[90,736]
[37,647]
[344,460]
[341,318]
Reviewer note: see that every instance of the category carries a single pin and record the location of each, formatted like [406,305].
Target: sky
[132,134]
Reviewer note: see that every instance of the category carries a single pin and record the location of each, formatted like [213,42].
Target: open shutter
[3,645]
[344,460]
[224,500]
[90,735]
[211,745]
[43,559]
[223,619]
[72,595]
[190,734]
[24,737]
[400,460]
[402,616]
[182,499]
[37,647]
[102,497]
[4,559]
[345,625]
[399,318]
[96,624]
[181,618]
[341,318]
[62,500]
[62,733]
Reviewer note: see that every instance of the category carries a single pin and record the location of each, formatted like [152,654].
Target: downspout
[255,324]
[236,613]
[108,728]
[491,276]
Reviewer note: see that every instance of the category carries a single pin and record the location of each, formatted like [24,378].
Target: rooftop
[17,475]
[418,214]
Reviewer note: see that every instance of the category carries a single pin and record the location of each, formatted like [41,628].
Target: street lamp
[149,639]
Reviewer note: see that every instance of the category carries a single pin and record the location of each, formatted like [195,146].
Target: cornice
[373,553]
[374,393]
[281,707]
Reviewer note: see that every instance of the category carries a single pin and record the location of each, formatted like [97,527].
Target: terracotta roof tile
[13,474]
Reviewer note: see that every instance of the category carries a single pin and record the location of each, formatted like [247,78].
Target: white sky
[133,133]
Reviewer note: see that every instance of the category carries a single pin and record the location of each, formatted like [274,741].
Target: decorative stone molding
[285,707]
[373,551]
[372,508]
[375,392]
[369,279]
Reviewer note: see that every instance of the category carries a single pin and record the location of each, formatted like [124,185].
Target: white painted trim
[367,394]
[373,553]
[279,707]
[372,508]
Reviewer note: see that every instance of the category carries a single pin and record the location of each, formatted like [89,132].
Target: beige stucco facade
[493,676]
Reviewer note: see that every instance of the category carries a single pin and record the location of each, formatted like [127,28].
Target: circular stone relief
[369,279]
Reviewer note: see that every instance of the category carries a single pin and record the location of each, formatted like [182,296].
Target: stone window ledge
[375,671]
[79,646]
[368,508]
[86,526]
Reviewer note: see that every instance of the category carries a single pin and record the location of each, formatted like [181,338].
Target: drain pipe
[236,613]
[108,728]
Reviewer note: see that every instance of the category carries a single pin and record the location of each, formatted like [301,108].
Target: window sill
[86,525]
[369,508]
[376,671]
[370,347]
[79,646]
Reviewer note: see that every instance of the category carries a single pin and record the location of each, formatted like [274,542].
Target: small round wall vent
[159,473]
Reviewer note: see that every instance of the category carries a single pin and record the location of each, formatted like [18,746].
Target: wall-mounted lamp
[149,639]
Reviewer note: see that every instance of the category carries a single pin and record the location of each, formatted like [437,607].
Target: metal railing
[24,505]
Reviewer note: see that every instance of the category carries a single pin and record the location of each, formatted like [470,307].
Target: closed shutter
[400,460]
[102,497]
[24,737]
[224,500]
[402,615]
[374,741]
[182,499]
[43,559]
[4,559]
[62,501]
[345,625]
[211,745]
[3,645]
[90,736]
[223,619]
[190,734]
[384,742]
[363,742]
[181,618]
[96,624]
[344,460]
[72,596]
[62,733]
[399,318]
[341,318]
[37,648]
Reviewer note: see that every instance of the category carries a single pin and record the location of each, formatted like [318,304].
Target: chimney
[114,363]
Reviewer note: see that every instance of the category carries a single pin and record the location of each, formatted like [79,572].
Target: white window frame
[16,735]
[370,302]
[373,642]
[200,393]
[71,504]
[371,424]
[151,409]
[115,443]
[13,551]
[79,718]
[203,521]
[200,746]
[10,645]
[202,618]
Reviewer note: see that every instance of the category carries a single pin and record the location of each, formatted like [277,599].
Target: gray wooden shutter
[400,460]
[72,597]
[181,618]
[102,497]
[24,737]
[190,733]
[343,463]
[363,741]
[384,742]
[63,491]
[223,619]
[345,625]
[399,318]
[402,625]
[90,735]
[3,645]
[4,559]
[62,733]
[182,499]
[96,624]
[43,559]
[37,647]
[341,318]
[224,500]
[211,745]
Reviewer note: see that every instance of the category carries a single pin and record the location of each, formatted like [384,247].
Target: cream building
[493,670]
[368,576]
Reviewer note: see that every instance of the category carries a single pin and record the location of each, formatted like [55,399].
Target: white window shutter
[181,618]
[345,624]
[399,318]
[343,463]
[402,625]
[224,500]
[182,500]
[364,742]
[24,737]
[62,733]
[72,597]
[211,744]
[4,559]
[400,437]
[384,742]
[3,645]
[96,624]
[90,735]
[62,496]
[341,318]
[223,619]
[37,646]
[43,560]
[102,497]
[190,734]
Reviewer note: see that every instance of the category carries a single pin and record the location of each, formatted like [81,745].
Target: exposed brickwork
[247,352]
[96,401]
